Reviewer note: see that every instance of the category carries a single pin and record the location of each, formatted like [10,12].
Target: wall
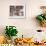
[25,26]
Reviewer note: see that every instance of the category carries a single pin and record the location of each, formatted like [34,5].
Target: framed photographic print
[17,11]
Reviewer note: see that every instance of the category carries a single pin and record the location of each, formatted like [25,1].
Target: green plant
[11,31]
[41,17]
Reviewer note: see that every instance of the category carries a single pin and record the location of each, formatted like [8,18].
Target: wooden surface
[30,45]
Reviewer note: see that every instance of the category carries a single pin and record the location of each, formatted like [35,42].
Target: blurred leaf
[40,18]
[11,31]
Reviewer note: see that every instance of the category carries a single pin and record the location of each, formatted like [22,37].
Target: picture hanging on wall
[17,11]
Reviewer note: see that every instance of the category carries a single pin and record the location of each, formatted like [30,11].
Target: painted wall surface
[26,26]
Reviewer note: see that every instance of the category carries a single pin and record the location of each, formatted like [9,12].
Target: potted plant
[42,19]
[10,31]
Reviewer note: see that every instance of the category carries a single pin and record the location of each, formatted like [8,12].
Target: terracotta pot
[43,23]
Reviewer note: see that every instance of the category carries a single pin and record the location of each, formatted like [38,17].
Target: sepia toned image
[17,11]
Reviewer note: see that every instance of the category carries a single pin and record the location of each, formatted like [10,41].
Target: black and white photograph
[17,11]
